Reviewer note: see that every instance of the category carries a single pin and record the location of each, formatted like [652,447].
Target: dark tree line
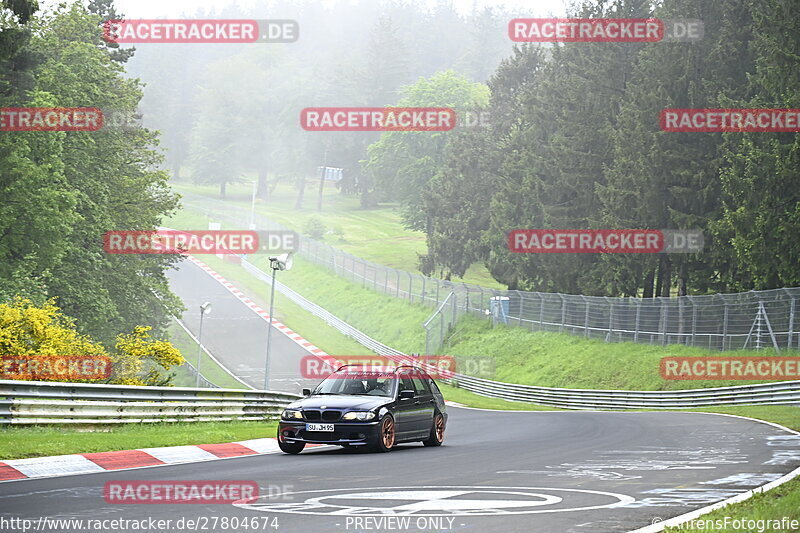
[575,142]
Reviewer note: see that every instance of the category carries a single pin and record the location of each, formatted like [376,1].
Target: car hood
[341,401]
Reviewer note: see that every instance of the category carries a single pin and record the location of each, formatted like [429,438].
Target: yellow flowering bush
[37,333]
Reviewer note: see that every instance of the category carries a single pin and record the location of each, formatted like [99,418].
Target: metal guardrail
[44,402]
[784,392]
[779,393]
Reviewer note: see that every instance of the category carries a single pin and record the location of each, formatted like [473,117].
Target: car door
[406,425]
[425,405]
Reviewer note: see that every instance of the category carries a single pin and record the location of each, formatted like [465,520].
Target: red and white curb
[283,328]
[93,463]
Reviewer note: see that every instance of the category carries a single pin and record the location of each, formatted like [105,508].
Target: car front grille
[331,416]
[324,416]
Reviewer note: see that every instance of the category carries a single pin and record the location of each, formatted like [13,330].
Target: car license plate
[319,427]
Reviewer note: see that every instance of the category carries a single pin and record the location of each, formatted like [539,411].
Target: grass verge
[550,359]
[41,441]
[775,504]
[374,234]
[184,377]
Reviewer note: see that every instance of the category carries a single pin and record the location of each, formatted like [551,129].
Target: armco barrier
[44,402]
[784,392]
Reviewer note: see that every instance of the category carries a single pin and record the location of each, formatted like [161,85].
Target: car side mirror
[306,392]
[406,394]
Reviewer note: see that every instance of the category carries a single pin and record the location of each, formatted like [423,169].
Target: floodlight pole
[273,265]
[203,308]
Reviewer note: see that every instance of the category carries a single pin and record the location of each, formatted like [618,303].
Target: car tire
[290,447]
[387,434]
[436,436]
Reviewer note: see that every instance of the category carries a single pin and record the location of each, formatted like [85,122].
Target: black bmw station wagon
[369,407]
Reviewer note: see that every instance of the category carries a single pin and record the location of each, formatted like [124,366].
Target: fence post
[441,330]
[437,291]
[424,279]
[636,326]
[563,312]
[694,320]
[725,323]
[610,319]
[521,306]
[665,315]
[585,317]
[791,324]
[397,286]
[541,311]
[427,340]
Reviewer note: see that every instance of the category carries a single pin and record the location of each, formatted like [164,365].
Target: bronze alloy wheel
[436,436]
[439,428]
[387,432]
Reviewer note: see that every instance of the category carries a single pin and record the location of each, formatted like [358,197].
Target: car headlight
[359,415]
[292,414]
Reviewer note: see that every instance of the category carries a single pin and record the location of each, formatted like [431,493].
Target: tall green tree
[760,218]
[560,152]
[460,199]
[72,187]
[666,180]
[403,162]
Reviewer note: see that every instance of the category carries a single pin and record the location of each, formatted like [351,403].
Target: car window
[420,387]
[356,384]
[434,387]
[406,384]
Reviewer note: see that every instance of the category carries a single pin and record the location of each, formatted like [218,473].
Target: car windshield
[357,384]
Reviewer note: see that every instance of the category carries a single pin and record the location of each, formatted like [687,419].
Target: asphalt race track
[496,472]
[234,333]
